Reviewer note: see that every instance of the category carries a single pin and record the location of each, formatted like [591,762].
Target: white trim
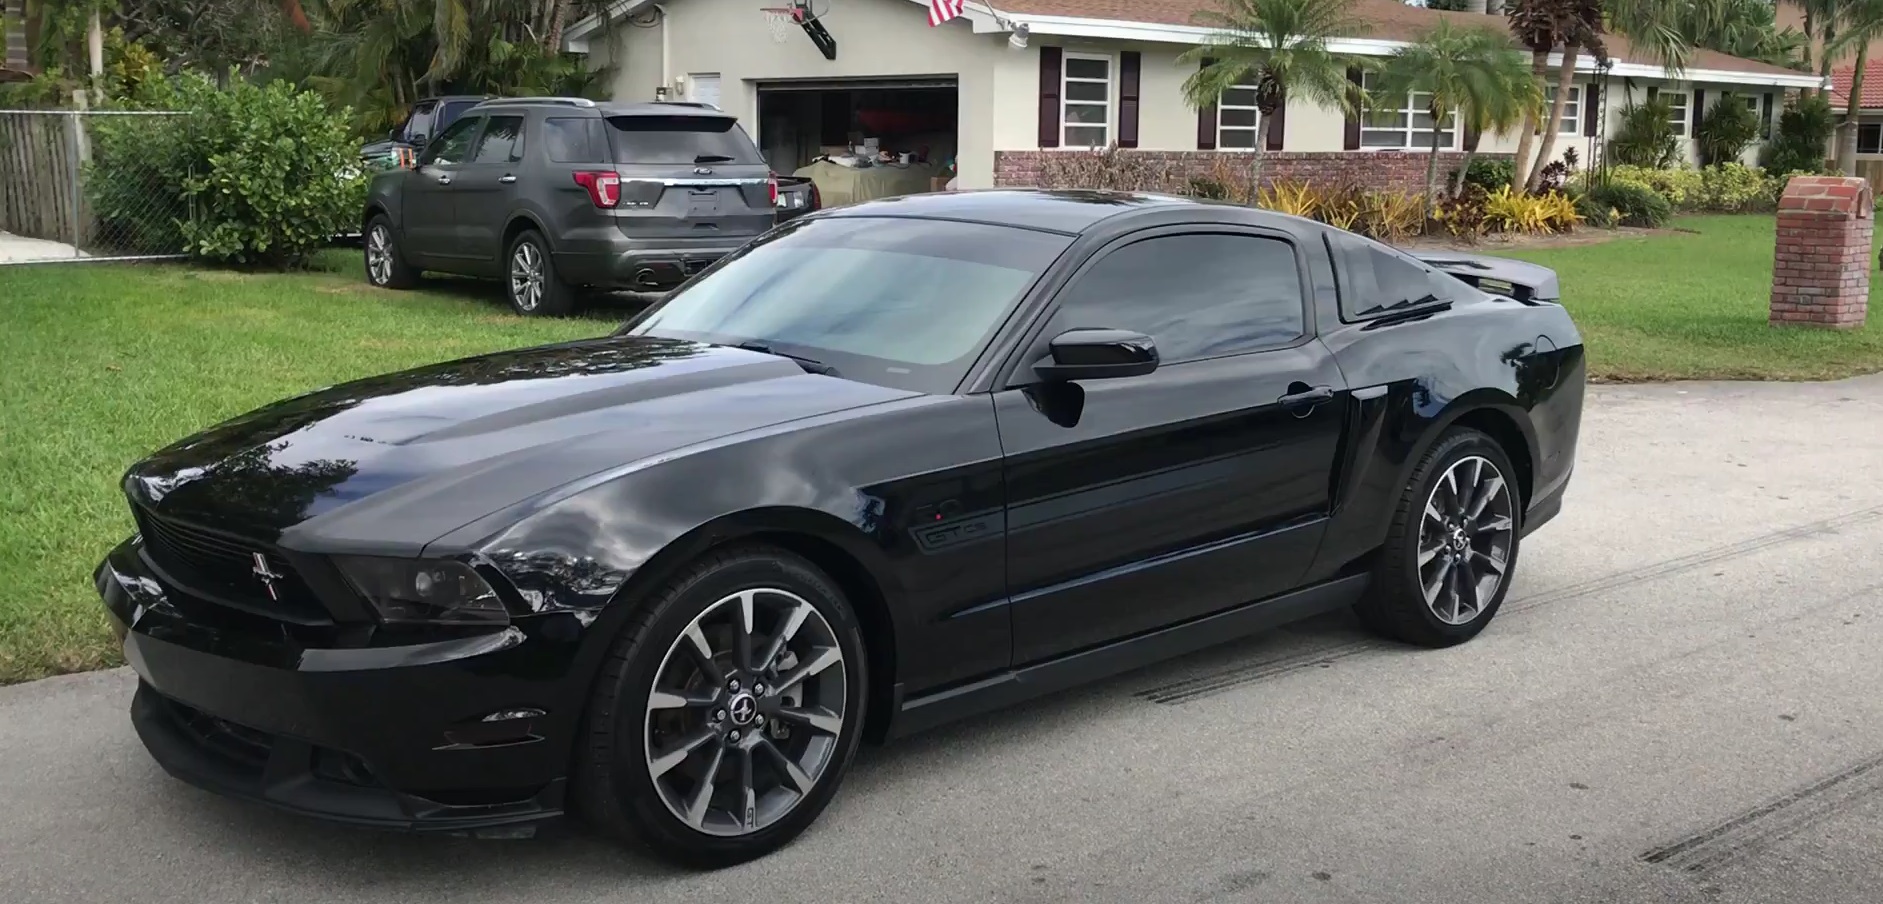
[1412,134]
[1577,94]
[1257,140]
[988,20]
[1685,119]
[1111,84]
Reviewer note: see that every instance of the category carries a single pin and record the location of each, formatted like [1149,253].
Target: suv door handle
[506,178]
[1307,398]
[444,178]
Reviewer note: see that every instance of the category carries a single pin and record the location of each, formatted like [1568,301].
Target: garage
[861,138]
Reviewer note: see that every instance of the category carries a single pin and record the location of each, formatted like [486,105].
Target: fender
[534,217]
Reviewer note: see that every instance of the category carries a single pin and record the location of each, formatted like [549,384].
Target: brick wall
[1821,261]
[1376,170]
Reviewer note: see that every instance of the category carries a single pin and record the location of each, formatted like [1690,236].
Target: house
[1869,110]
[999,87]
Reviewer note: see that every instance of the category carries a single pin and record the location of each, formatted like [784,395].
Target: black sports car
[888,465]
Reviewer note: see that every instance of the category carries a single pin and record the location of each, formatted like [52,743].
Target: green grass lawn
[1692,305]
[101,364]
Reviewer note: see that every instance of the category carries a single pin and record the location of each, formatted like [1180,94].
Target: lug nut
[734,737]
[719,715]
[758,689]
[732,685]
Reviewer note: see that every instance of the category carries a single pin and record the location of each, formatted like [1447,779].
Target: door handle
[444,178]
[1307,398]
[506,178]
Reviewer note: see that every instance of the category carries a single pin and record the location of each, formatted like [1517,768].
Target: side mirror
[392,134]
[1098,354]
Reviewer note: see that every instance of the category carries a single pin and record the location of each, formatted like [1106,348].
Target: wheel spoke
[742,631]
[660,699]
[1426,555]
[1495,565]
[786,768]
[748,810]
[1497,525]
[819,719]
[1438,583]
[663,763]
[792,623]
[703,795]
[1451,490]
[1467,590]
[1486,492]
[703,655]
[825,658]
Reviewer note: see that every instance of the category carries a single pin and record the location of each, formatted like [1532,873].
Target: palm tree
[1541,25]
[1863,21]
[1280,47]
[1497,111]
[1475,69]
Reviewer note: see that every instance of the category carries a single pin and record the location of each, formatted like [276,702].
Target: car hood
[388,463]
[379,148]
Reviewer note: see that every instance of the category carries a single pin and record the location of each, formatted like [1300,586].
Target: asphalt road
[1682,701]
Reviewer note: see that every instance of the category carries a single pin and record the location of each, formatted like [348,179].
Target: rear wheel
[530,279]
[1451,551]
[385,264]
[728,712]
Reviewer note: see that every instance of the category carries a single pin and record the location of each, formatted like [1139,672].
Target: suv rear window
[680,139]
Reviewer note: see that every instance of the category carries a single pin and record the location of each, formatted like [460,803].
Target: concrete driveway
[1682,701]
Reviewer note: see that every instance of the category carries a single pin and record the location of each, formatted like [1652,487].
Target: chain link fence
[71,188]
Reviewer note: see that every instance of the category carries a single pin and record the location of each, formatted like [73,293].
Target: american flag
[940,11]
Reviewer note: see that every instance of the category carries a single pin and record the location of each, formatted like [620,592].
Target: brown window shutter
[1050,63]
[1353,119]
[1591,109]
[1206,120]
[1128,99]
[1653,92]
[1699,105]
[1765,116]
[1276,129]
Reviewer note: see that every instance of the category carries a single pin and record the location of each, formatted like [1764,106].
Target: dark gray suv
[555,194]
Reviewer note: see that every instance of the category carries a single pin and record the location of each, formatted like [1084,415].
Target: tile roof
[1387,19]
[1872,88]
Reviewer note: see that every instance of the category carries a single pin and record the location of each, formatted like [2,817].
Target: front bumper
[386,737]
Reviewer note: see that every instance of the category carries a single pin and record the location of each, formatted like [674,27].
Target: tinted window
[451,111]
[901,303]
[502,140]
[571,140]
[1377,279]
[454,145]
[1199,296]
[680,139]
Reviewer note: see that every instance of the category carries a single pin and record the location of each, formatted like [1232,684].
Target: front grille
[222,569]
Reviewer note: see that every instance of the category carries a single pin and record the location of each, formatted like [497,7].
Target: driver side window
[454,146]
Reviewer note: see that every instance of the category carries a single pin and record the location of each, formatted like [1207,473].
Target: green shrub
[269,174]
[1490,173]
[1726,129]
[1736,188]
[1645,136]
[1632,204]
[1803,130]
[1680,186]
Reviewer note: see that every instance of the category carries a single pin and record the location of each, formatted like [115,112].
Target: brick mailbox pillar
[1821,274]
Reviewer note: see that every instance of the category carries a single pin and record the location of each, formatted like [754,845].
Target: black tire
[1396,604]
[553,297]
[393,272]
[614,786]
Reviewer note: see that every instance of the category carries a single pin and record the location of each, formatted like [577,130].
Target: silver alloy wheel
[379,255]
[526,276]
[1465,539]
[745,712]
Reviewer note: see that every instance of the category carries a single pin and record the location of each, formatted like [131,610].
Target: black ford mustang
[888,465]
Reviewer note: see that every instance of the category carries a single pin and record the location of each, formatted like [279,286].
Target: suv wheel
[530,279]
[385,266]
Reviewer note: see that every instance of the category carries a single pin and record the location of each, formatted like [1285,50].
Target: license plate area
[702,202]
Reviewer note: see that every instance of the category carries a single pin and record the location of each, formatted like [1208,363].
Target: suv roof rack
[689,103]
[565,101]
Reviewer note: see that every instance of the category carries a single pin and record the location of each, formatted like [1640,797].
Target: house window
[1756,105]
[1571,122]
[1408,125]
[1870,138]
[1238,120]
[1677,105]
[1086,112]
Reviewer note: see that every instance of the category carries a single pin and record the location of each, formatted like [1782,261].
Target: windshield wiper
[810,365]
[712,158]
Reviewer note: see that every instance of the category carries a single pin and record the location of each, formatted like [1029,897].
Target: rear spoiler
[1498,275]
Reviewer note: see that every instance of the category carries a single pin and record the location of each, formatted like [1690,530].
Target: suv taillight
[771,182]
[604,187]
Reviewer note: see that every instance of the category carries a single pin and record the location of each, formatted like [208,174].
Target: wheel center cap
[743,709]
[1458,541]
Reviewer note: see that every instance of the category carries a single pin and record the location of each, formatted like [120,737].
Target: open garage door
[812,127]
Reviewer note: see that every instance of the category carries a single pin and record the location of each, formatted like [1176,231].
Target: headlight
[428,591]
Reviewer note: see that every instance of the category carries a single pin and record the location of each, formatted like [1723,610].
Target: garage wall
[874,38]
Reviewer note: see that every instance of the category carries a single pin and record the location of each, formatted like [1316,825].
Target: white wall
[998,84]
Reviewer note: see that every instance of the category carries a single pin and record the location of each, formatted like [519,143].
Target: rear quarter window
[680,139]
[572,139]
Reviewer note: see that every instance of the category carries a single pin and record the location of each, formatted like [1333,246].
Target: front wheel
[533,286]
[1451,551]
[728,712]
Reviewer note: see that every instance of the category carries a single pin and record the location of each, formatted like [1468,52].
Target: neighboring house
[1045,76]
[1869,108]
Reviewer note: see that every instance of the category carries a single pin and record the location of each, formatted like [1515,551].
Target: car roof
[612,108]
[1069,211]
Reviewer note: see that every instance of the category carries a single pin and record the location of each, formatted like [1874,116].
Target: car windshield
[904,303]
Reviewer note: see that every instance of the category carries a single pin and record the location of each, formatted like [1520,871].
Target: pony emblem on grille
[267,576]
